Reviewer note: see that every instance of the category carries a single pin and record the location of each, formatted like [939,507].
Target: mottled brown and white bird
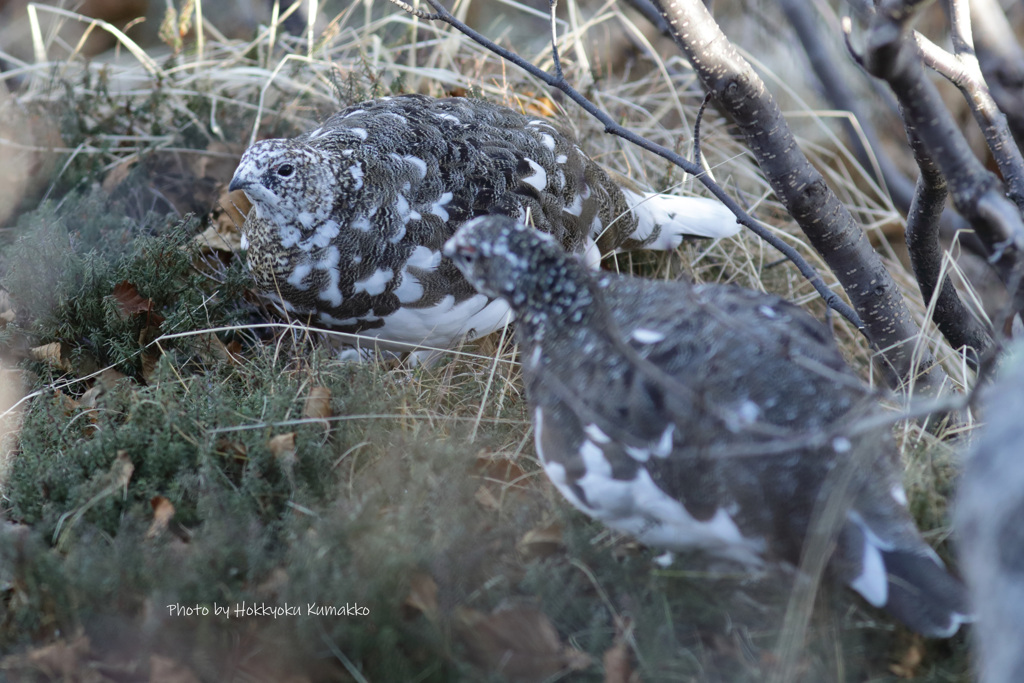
[706,417]
[348,220]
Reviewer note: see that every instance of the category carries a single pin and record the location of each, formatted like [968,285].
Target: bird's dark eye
[285,170]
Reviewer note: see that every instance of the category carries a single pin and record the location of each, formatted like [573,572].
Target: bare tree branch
[823,218]
[963,71]
[831,298]
[958,324]
[892,55]
[1001,59]
[864,139]
[867,146]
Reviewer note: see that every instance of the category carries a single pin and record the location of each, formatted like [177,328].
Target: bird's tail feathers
[905,578]
[923,595]
[664,219]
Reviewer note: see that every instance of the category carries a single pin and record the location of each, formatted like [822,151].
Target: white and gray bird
[705,417]
[348,220]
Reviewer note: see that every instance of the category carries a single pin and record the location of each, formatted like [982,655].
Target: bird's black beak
[237,184]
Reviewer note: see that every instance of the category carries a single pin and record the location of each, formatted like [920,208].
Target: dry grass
[425,471]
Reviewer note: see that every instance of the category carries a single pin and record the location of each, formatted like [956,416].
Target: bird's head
[529,269]
[292,184]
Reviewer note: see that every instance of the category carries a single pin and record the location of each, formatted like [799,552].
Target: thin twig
[696,129]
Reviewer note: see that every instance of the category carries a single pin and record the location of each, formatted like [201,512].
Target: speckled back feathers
[348,219]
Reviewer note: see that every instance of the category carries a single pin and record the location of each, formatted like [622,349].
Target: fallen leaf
[501,476]
[130,303]
[542,106]
[149,360]
[12,390]
[62,660]
[121,470]
[210,344]
[163,512]
[167,670]
[519,642]
[616,663]
[7,314]
[499,469]
[118,174]
[318,404]
[909,662]
[422,595]
[486,499]
[541,541]
[617,667]
[236,450]
[283,445]
[234,207]
[273,586]
[51,355]
[216,239]
[28,159]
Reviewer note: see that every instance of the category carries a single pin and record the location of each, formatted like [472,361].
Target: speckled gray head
[502,257]
[292,187]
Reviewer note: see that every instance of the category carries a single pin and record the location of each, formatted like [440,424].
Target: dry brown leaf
[223,234]
[535,106]
[274,585]
[318,404]
[167,670]
[520,642]
[541,541]
[148,360]
[487,499]
[501,476]
[117,175]
[130,303]
[122,469]
[235,450]
[283,445]
[163,512]
[28,161]
[12,390]
[423,595]
[62,660]
[7,314]
[218,238]
[543,106]
[234,207]
[211,345]
[499,469]
[51,355]
[909,662]
[616,663]
[617,668]
[220,161]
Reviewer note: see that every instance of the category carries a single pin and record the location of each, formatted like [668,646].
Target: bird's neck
[563,304]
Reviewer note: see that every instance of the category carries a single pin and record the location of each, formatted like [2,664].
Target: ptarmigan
[348,220]
[705,417]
